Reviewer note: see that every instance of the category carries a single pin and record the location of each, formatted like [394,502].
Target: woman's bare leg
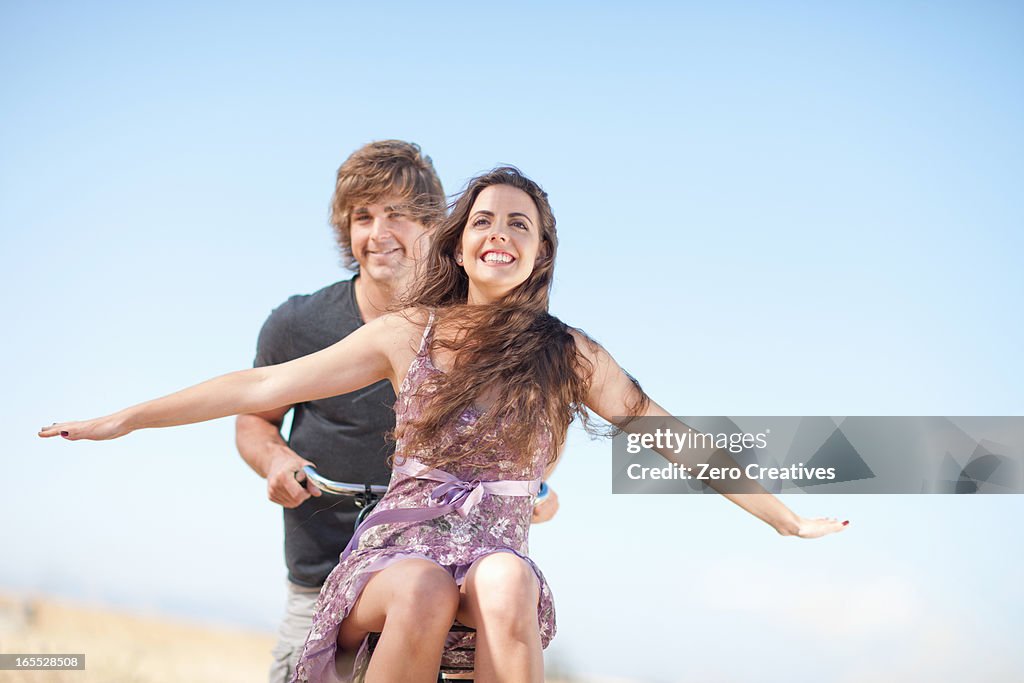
[412,604]
[499,600]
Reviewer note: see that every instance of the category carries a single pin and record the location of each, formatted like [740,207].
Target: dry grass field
[125,648]
[128,648]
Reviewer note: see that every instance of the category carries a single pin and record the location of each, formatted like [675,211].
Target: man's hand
[546,509]
[260,444]
[282,486]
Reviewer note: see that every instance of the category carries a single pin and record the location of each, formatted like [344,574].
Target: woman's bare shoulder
[405,327]
[586,345]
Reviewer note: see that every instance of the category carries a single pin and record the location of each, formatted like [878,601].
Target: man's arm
[259,442]
[545,510]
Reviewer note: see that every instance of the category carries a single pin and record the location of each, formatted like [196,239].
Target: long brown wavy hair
[513,350]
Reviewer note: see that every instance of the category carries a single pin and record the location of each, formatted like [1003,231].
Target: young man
[386,198]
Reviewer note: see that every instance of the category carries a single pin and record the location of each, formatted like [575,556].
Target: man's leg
[291,634]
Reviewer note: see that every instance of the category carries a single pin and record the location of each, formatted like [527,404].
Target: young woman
[487,384]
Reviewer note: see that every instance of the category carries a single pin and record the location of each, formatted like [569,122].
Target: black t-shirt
[344,435]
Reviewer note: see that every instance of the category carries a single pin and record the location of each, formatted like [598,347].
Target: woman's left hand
[819,526]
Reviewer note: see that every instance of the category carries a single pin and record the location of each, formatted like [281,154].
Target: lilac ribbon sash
[451,494]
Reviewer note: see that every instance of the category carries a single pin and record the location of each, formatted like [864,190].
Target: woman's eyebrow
[520,215]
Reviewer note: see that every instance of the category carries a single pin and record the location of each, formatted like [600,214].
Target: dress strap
[425,341]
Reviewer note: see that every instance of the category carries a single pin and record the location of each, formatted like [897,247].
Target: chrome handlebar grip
[339,487]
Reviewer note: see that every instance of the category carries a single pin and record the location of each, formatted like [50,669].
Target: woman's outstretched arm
[613,396]
[366,356]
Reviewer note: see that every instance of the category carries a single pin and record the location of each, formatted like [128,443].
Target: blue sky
[792,208]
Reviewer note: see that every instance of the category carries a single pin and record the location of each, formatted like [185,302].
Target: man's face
[386,241]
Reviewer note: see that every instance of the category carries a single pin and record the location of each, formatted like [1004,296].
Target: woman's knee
[423,591]
[504,587]
[414,599]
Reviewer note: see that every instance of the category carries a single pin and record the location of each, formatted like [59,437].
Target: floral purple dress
[492,521]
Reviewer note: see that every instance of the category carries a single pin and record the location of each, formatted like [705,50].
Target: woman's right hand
[98,429]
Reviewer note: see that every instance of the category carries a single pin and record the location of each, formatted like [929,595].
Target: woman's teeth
[494,257]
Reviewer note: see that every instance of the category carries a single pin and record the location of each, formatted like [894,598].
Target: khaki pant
[291,634]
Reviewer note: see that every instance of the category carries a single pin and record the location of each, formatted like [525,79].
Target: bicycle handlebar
[345,489]
[340,487]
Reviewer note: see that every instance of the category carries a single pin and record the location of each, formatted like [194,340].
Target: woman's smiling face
[499,243]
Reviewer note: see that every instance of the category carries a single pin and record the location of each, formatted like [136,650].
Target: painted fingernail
[846,522]
[63,433]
